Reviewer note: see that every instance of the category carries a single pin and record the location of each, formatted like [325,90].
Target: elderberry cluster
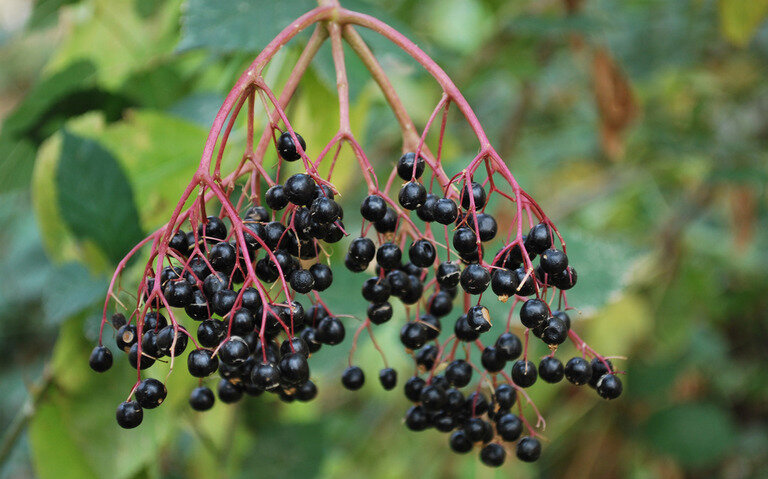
[481,416]
[254,344]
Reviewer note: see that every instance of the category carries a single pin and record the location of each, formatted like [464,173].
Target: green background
[640,126]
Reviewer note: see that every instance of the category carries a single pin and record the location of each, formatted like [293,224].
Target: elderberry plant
[249,274]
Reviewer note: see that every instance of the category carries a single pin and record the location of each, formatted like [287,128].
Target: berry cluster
[255,343]
[249,278]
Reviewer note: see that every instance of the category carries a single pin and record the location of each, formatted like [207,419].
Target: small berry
[524,373]
[373,208]
[509,345]
[129,414]
[412,195]
[551,370]
[578,371]
[538,239]
[330,331]
[150,393]
[353,378]
[475,279]
[416,418]
[553,261]
[294,369]
[388,378]
[448,274]
[609,386]
[528,449]
[322,275]
[234,351]
[229,392]
[389,256]
[286,148]
[445,211]
[493,455]
[422,253]
[509,426]
[201,399]
[405,166]
[101,359]
[302,281]
[300,189]
[478,194]
[460,443]
[201,364]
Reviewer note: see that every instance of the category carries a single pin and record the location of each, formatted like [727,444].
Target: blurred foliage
[640,126]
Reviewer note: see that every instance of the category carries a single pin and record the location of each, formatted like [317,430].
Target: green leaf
[740,19]
[199,108]
[30,114]
[74,289]
[95,198]
[695,434]
[159,154]
[114,37]
[46,12]
[236,25]
[16,162]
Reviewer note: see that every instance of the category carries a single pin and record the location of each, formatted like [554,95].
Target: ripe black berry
[554,332]
[425,212]
[101,359]
[464,240]
[234,351]
[609,386]
[324,210]
[302,281]
[373,208]
[478,194]
[286,148]
[463,331]
[565,280]
[551,370]
[524,373]
[526,282]
[222,257]
[129,414]
[213,228]
[493,455]
[388,256]
[353,378]
[413,387]
[201,399]
[166,338]
[412,195]
[265,375]
[445,211]
[229,392]
[528,449]
[388,378]
[223,301]
[322,275]
[388,223]
[413,335]
[198,307]
[448,274]
[505,396]
[459,373]
[416,418]
[599,369]
[380,313]
[538,239]
[178,293]
[509,426]
[492,360]
[300,189]
[578,371]
[486,226]
[201,364]
[330,331]
[362,250]
[306,392]
[294,369]
[475,279]
[405,166]
[422,253]
[460,443]
[242,322]
[553,261]
[503,283]
[509,345]
[150,393]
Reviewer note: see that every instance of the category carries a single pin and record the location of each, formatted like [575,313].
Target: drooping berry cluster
[479,417]
[244,275]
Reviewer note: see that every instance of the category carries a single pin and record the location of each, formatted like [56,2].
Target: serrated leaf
[95,197]
[740,19]
[237,25]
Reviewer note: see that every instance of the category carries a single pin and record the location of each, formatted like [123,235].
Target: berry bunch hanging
[235,279]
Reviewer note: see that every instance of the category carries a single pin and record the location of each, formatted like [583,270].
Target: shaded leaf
[695,434]
[95,198]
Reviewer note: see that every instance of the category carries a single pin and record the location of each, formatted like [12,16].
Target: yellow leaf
[740,19]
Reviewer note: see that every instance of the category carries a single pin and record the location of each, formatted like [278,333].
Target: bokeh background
[641,127]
